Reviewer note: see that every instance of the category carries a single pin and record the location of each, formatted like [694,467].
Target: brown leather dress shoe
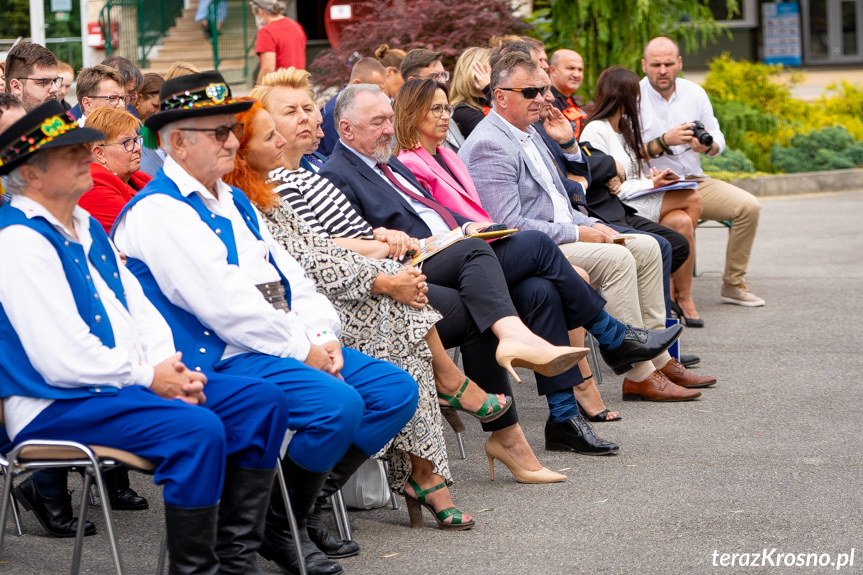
[656,387]
[678,374]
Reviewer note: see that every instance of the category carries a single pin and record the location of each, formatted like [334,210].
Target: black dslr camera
[699,133]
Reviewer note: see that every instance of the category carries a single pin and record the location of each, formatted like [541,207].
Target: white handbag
[368,487]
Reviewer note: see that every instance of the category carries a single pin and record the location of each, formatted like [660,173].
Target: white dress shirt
[39,302]
[530,142]
[431,218]
[189,262]
[602,136]
[688,102]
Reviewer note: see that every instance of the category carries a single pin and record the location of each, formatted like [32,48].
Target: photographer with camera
[677,126]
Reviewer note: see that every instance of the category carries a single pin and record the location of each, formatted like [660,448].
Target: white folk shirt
[431,218]
[39,302]
[688,102]
[189,262]
[531,142]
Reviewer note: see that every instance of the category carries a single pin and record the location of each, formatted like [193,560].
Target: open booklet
[452,237]
[678,185]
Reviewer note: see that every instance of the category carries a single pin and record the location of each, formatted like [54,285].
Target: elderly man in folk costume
[86,357]
[238,303]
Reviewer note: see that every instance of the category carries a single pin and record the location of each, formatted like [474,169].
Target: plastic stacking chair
[33,455]
[703,224]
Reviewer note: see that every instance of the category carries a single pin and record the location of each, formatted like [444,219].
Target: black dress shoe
[127,500]
[575,435]
[55,515]
[278,547]
[122,496]
[689,360]
[639,345]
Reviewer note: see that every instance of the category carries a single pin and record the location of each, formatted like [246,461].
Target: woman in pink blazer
[422,117]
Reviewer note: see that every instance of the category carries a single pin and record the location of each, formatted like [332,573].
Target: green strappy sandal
[489,411]
[416,513]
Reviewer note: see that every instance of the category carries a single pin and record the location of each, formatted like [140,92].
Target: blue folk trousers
[242,423]
[368,407]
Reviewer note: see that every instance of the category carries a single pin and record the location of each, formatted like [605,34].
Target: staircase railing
[141,26]
[233,31]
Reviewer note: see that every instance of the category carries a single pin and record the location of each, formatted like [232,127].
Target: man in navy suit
[473,284]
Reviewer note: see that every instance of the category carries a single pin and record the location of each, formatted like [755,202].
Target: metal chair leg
[82,521]
[4,506]
[597,372]
[16,517]
[457,425]
[292,521]
[163,554]
[341,514]
[106,511]
[394,500]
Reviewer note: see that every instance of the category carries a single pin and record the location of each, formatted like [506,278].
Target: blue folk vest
[17,374]
[201,347]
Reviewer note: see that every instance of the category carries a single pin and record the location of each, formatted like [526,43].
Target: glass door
[833,31]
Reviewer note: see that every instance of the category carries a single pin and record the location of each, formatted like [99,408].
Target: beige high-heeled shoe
[547,361]
[494,450]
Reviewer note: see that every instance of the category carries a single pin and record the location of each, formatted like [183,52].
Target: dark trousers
[669,256]
[549,296]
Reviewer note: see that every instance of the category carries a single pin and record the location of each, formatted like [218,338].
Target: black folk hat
[47,126]
[192,96]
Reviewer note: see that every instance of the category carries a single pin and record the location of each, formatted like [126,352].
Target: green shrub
[759,117]
[831,148]
[728,161]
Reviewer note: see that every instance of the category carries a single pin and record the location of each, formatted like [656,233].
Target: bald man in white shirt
[669,106]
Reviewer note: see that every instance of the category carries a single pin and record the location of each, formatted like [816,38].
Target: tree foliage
[614,33]
[16,18]
[447,26]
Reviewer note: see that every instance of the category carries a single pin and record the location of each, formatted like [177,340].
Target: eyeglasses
[113,100]
[222,132]
[437,110]
[130,144]
[528,93]
[45,82]
[442,77]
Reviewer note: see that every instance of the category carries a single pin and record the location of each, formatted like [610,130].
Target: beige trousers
[630,278]
[723,202]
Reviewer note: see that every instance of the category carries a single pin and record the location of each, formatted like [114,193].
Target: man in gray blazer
[519,185]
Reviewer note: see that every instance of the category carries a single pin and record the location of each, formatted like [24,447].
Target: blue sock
[608,331]
[562,405]
[51,483]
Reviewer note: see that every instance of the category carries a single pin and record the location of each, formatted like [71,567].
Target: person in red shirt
[281,41]
[115,171]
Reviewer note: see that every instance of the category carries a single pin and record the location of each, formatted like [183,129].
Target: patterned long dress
[376,325]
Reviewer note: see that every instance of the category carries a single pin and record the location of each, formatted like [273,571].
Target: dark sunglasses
[528,93]
[222,132]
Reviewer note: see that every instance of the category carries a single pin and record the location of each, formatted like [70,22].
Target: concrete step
[175,44]
[201,52]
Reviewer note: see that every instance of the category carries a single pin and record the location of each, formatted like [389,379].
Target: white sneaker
[740,295]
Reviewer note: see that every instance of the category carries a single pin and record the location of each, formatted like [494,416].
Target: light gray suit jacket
[508,184]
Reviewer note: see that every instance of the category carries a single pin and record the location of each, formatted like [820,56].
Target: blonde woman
[469,91]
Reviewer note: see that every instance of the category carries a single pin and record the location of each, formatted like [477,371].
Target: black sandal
[599,417]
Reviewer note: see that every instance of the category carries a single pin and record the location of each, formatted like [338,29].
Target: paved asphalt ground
[770,458]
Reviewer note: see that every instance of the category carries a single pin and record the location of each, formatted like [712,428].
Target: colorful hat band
[30,142]
[212,95]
